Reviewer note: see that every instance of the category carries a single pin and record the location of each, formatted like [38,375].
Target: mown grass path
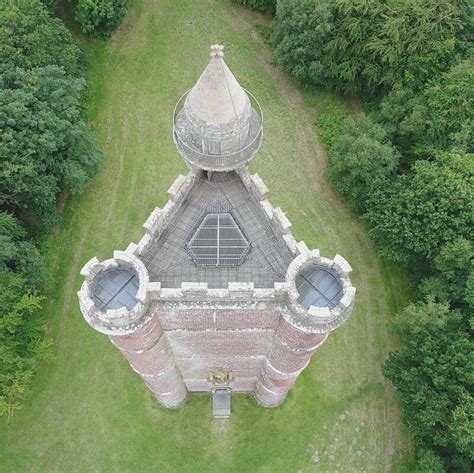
[89,411]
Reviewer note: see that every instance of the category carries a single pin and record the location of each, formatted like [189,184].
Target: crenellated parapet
[217,283]
[273,331]
[102,313]
[307,319]
[317,318]
[298,326]
[159,219]
[115,300]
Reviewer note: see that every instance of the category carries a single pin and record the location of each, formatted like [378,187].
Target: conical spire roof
[217,97]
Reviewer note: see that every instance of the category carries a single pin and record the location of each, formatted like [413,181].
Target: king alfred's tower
[218,294]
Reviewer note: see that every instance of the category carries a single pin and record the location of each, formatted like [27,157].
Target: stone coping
[120,321]
[284,295]
[314,318]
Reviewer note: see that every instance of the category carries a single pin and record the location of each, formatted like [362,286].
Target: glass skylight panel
[318,287]
[218,241]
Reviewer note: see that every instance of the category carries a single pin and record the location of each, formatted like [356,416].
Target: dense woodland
[404,165]
[47,152]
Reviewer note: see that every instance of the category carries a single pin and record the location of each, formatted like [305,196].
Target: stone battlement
[283,296]
[218,283]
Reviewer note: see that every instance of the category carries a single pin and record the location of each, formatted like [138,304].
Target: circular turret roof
[318,286]
[217,97]
[116,288]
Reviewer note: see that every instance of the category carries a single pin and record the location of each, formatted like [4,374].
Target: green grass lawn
[88,410]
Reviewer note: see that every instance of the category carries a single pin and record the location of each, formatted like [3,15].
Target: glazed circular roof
[116,288]
[318,286]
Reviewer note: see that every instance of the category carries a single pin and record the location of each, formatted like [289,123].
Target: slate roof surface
[217,97]
[169,262]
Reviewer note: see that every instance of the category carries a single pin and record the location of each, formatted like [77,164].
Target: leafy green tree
[469,291]
[349,61]
[361,160]
[417,41]
[265,6]
[439,117]
[426,461]
[426,209]
[368,46]
[302,30]
[22,343]
[391,44]
[30,37]
[433,375]
[17,253]
[100,17]
[51,6]
[454,266]
[45,147]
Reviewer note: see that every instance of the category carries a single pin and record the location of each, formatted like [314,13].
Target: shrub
[100,17]
[331,126]
[265,6]
[361,160]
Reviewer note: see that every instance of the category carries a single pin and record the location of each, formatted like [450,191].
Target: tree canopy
[434,378]
[30,37]
[368,45]
[100,17]
[45,147]
[438,117]
[361,160]
[408,170]
[302,30]
[21,329]
[426,208]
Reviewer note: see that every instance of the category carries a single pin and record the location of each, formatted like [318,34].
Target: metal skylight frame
[116,288]
[218,241]
[319,287]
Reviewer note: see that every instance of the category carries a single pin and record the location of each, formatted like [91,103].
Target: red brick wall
[208,340]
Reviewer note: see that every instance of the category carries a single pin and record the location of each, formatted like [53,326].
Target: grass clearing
[89,411]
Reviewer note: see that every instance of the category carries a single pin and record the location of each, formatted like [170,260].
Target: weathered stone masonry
[260,317]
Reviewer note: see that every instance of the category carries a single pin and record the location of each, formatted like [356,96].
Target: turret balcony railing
[220,162]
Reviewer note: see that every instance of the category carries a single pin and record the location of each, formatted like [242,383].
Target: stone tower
[217,292]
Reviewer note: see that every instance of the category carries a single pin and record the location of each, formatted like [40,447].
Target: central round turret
[216,128]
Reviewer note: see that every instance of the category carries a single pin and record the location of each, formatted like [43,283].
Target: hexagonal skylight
[218,241]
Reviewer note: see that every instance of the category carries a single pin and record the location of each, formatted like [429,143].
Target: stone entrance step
[221,403]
